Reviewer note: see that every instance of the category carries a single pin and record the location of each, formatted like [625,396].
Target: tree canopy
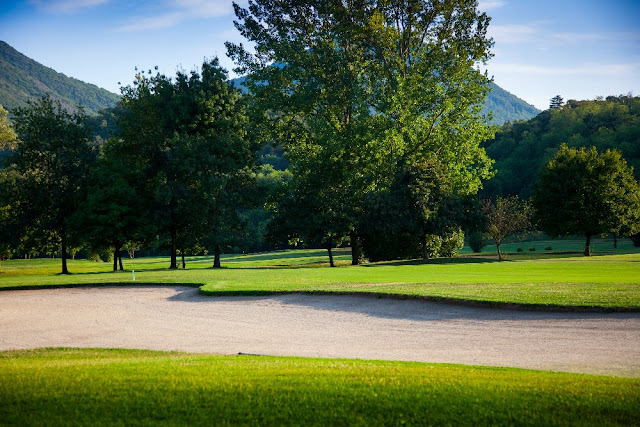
[357,90]
[50,165]
[185,137]
[522,149]
[582,192]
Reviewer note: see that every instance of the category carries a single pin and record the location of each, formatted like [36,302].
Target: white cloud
[485,5]
[514,33]
[66,6]
[587,68]
[180,11]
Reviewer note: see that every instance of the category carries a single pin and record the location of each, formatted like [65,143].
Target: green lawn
[606,281]
[91,386]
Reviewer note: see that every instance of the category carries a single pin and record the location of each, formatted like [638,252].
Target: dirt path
[177,318]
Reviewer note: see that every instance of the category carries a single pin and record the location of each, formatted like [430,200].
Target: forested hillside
[507,107]
[23,79]
[521,149]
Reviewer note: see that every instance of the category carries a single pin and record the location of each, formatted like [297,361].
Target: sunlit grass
[91,386]
[606,281]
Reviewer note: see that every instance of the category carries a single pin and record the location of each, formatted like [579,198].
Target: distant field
[552,279]
[92,386]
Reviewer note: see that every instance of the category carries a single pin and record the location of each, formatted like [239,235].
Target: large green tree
[582,192]
[355,90]
[186,138]
[113,213]
[50,163]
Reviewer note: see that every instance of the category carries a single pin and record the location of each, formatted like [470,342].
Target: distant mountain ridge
[505,106]
[23,79]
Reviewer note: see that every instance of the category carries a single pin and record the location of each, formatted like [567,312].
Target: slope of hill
[521,149]
[505,106]
[23,79]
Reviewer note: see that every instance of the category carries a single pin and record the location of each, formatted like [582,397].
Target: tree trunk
[587,247]
[64,249]
[183,263]
[120,260]
[331,264]
[356,253]
[425,254]
[174,260]
[216,257]
[115,260]
[499,253]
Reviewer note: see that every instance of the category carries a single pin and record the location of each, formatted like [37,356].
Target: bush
[105,255]
[384,247]
[548,248]
[532,248]
[477,241]
[451,244]
[519,249]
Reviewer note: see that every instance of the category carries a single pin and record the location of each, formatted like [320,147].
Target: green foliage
[353,98]
[23,79]
[507,216]
[582,192]
[522,149]
[186,140]
[477,241]
[7,134]
[50,165]
[113,212]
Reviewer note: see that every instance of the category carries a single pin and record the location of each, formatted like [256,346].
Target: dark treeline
[367,132]
[522,149]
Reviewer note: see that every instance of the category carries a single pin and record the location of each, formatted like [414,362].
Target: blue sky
[579,49]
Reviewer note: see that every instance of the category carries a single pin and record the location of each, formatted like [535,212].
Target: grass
[609,282]
[91,386]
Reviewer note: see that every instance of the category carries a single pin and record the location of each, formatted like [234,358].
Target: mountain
[23,79]
[505,106]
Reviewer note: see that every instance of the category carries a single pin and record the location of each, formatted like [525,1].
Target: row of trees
[522,149]
[580,192]
[175,173]
[376,104]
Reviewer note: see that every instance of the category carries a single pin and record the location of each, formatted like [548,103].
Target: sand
[334,326]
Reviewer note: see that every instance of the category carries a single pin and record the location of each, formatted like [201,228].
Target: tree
[522,149]
[505,217]
[51,161]
[355,90]
[7,134]
[186,138]
[556,102]
[112,214]
[582,192]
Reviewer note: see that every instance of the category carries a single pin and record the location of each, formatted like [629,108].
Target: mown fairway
[607,281]
[89,386]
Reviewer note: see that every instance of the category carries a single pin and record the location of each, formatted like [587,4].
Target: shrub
[477,241]
[548,248]
[532,248]
[519,249]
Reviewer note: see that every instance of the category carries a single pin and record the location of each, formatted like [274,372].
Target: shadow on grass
[457,260]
